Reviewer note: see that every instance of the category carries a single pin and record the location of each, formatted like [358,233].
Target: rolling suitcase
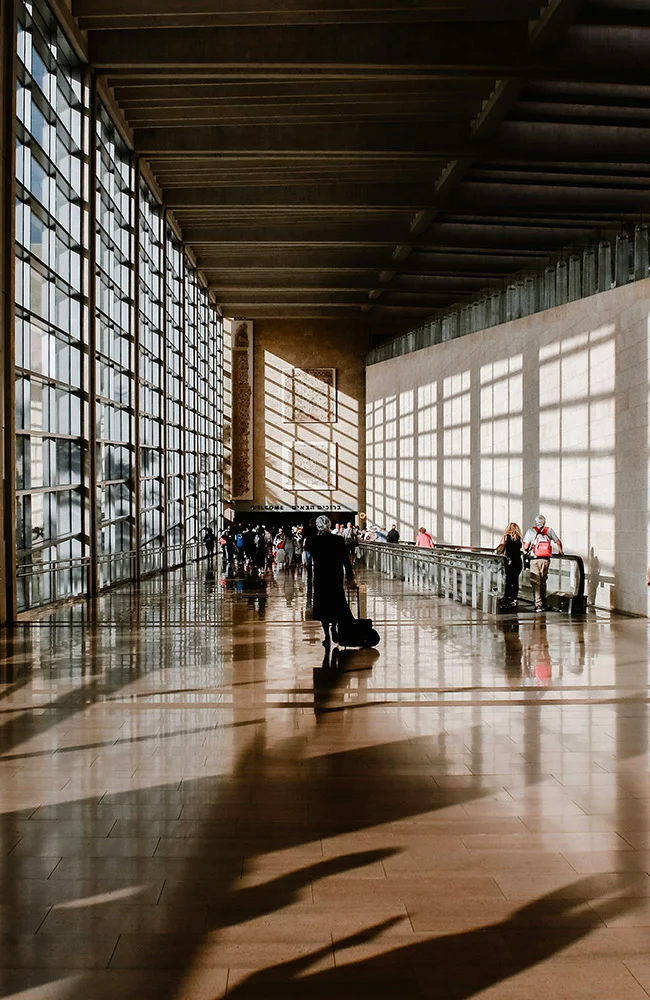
[357,632]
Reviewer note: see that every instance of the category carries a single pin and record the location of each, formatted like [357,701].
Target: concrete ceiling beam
[364,141]
[306,233]
[175,13]
[448,47]
[307,196]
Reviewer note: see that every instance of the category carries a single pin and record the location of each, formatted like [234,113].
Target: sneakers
[540,610]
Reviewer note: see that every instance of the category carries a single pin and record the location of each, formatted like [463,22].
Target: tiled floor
[194,805]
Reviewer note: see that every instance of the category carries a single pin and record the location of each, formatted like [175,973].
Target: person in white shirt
[538,541]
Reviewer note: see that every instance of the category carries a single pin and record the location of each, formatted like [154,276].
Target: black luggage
[357,632]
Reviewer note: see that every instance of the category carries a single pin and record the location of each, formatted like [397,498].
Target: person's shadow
[332,680]
[594,576]
[449,967]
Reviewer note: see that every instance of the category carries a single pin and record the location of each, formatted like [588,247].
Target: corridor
[194,805]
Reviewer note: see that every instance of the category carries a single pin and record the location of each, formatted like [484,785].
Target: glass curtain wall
[115,363]
[138,385]
[51,360]
[211,391]
[151,389]
[192,454]
[174,398]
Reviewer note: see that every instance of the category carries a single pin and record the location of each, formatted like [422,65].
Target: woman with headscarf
[331,562]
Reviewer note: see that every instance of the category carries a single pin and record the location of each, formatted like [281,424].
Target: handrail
[473,574]
[471,577]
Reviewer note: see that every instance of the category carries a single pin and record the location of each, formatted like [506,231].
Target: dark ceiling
[381,159]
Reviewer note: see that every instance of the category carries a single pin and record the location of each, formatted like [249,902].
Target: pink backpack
[542,547]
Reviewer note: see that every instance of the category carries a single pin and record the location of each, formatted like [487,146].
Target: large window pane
[151,361]
[50,352]
[174,347]
[114,424]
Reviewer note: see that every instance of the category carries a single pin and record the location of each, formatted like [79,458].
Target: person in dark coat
[209,539]
[331,561]
[510,547]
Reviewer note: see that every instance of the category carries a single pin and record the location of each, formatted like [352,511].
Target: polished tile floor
[195,805]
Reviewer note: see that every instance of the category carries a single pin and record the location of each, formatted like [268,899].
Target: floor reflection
[195,804]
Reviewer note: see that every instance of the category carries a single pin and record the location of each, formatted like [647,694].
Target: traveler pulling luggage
[356,632]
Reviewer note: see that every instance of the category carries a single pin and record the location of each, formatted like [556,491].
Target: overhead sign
[245,506]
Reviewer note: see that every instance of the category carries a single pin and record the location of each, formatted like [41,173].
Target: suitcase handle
[351,588]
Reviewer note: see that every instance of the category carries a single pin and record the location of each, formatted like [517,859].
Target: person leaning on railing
[538,544]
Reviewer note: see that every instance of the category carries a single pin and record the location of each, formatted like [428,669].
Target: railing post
[486,588]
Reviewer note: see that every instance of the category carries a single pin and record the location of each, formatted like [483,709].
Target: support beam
[308,233]
[146,91]
[7,311]
[515,141]
[308,196]
[427,112]
[544,142]
[400,140]
[570,200]
[175,13]
[448,47]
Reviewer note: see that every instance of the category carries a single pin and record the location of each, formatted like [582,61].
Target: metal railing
[582,272]
[475,576]
[47,581]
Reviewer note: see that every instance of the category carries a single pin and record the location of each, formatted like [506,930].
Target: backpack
[542,547]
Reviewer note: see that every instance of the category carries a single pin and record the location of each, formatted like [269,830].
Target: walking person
[228,547]
[289,546]
[209,539]
[424,539]
[280,554]
[260,548]
[393,535]
[330,556]
[538,543]
[510,546]
[308,536]
[250,547]
[350,539]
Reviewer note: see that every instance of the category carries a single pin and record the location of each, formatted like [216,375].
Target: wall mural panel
[310,396]
[242,410]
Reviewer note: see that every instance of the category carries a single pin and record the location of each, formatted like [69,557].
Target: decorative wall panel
[242,410]
[310,395]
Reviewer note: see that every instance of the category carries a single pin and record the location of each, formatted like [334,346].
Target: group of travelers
[376,534]
[536,548]
[260,548]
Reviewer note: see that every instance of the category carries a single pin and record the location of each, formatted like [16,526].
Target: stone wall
[547,413]
[308,414]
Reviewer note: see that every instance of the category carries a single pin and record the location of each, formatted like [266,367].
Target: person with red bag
[538,545]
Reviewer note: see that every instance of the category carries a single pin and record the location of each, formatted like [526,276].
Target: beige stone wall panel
[547,413]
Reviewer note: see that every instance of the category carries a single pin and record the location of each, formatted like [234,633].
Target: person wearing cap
[331,562]
[538,543]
